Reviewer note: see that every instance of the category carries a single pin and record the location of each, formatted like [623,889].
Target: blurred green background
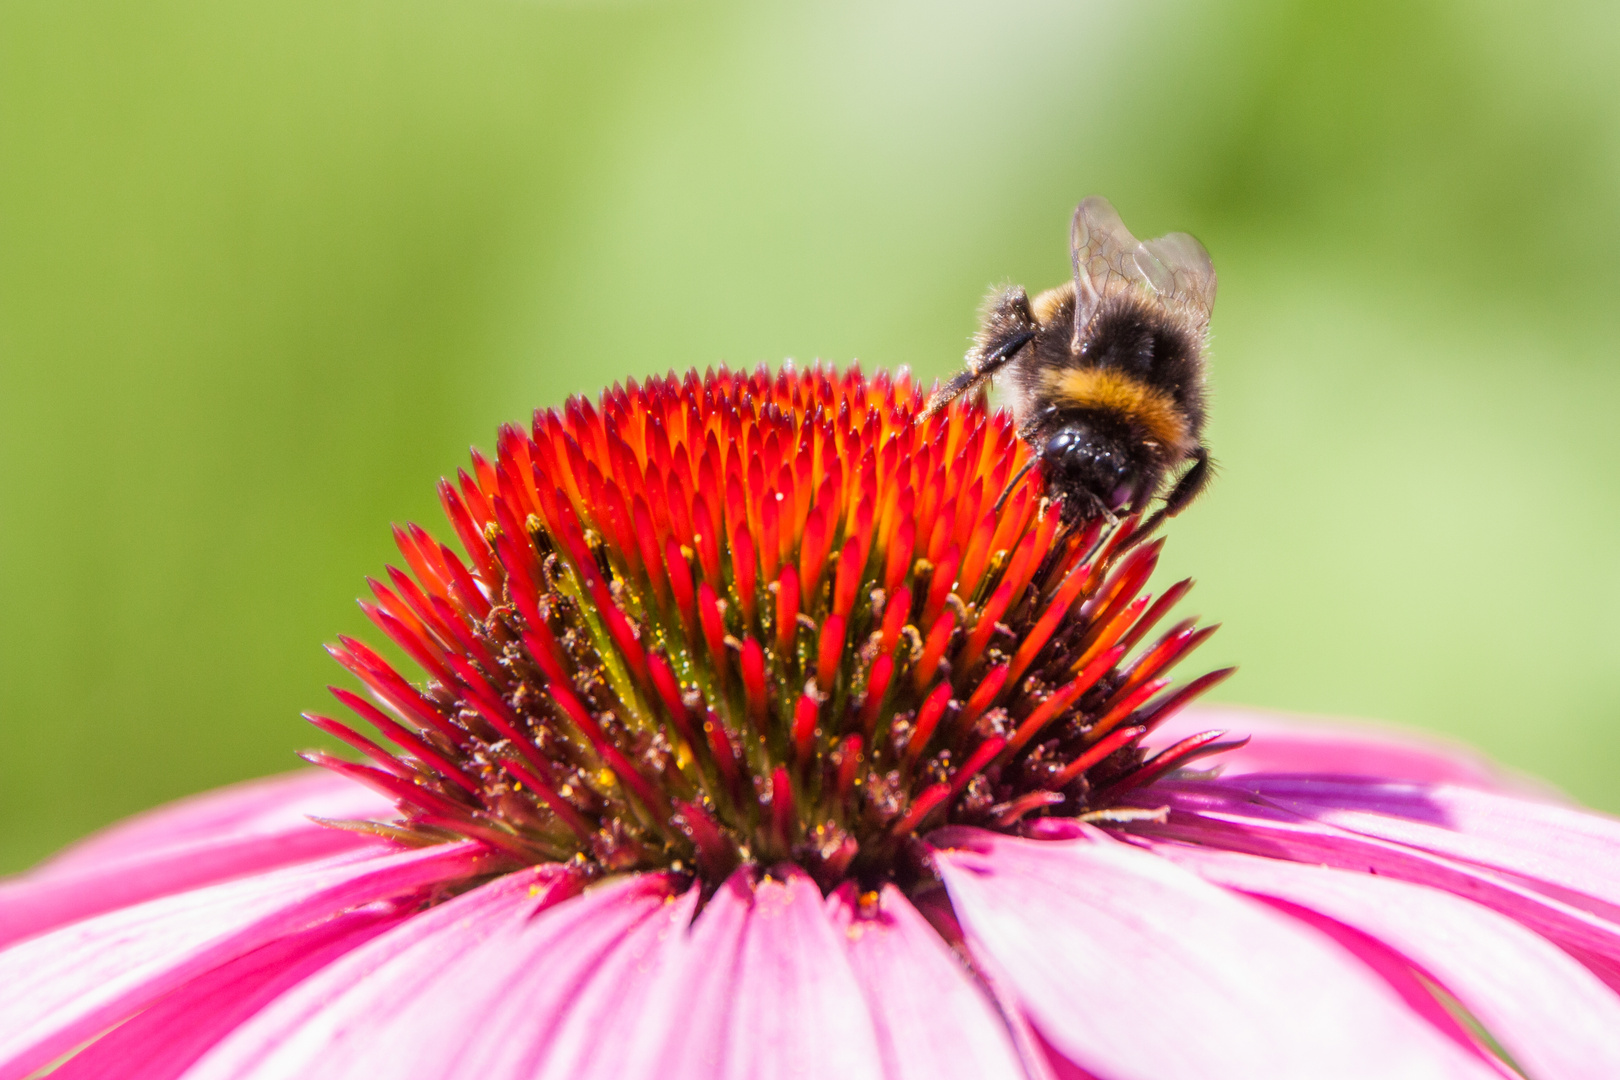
[267,269]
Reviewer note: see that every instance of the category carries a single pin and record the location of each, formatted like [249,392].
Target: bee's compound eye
[1062,445]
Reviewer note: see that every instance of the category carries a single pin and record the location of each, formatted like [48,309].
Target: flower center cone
[727,619]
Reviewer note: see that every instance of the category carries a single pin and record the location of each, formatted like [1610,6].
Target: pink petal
[798,1008]
[932,1019]
[1138,970]
[1040,1060]
[1060,1067]
[612,983]
[246,829]
[760,988]
[1215,815]
[595,1037]
[1403,979]
[59,989]
[576,961]
[1286,744]
[1549,1012]
[273,804]
[688,1010]
[165,1039]
[1571,853]
[436,997]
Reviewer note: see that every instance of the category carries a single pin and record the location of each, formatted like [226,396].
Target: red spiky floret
[707,620]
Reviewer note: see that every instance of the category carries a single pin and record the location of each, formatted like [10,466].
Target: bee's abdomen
[1112,392]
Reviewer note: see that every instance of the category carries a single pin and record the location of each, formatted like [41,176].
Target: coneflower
[763,729]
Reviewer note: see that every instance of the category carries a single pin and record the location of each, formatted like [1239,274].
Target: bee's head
[1087,461]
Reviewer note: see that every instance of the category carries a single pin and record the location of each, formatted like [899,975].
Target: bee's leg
[1017,476]
[1191,484]
[977,372]
[1007,328]
[1187,488]
[965,381]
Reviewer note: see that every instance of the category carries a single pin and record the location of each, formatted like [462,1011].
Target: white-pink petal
[687,1011]
[62,988]
[1224,816]
[1291,744]
[595,1037]
[619,982]
[566,965]
[434,999]
[1136,969]
[245,829]
[166,1038]
[761,989]
[1552,1015]
[932,1019]
[273,805]
[1570,852]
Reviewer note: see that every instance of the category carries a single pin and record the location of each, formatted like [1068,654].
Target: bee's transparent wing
[1179,268]
[1104,255]
[1107,258]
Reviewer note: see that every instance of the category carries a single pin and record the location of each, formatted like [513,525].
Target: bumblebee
[1105,373]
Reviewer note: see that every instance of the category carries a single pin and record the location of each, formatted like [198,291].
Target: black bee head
[1090,466]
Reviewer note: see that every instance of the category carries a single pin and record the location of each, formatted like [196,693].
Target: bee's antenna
[1023,470]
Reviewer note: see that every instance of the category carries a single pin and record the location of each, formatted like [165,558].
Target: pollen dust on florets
[722,619]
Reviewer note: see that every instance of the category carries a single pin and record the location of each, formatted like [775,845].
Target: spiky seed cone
[728,618]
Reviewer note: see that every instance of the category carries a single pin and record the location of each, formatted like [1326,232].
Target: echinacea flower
[761,735]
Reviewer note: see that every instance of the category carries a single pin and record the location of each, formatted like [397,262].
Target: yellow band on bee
[1114,391]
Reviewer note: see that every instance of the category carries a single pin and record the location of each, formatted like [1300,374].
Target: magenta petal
[1283,744]
[1225,816]
[245,829]
[615,983]
[932,1019]
[761,988]
[59,989]
[1401,977]
[1136,969]
[1551,1014]
[564,969]
[1040,1060]
[165,1039]
[687,1011]
[595,1038]
[473,988]
[798,1009]
[271,804]
[1571,852]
